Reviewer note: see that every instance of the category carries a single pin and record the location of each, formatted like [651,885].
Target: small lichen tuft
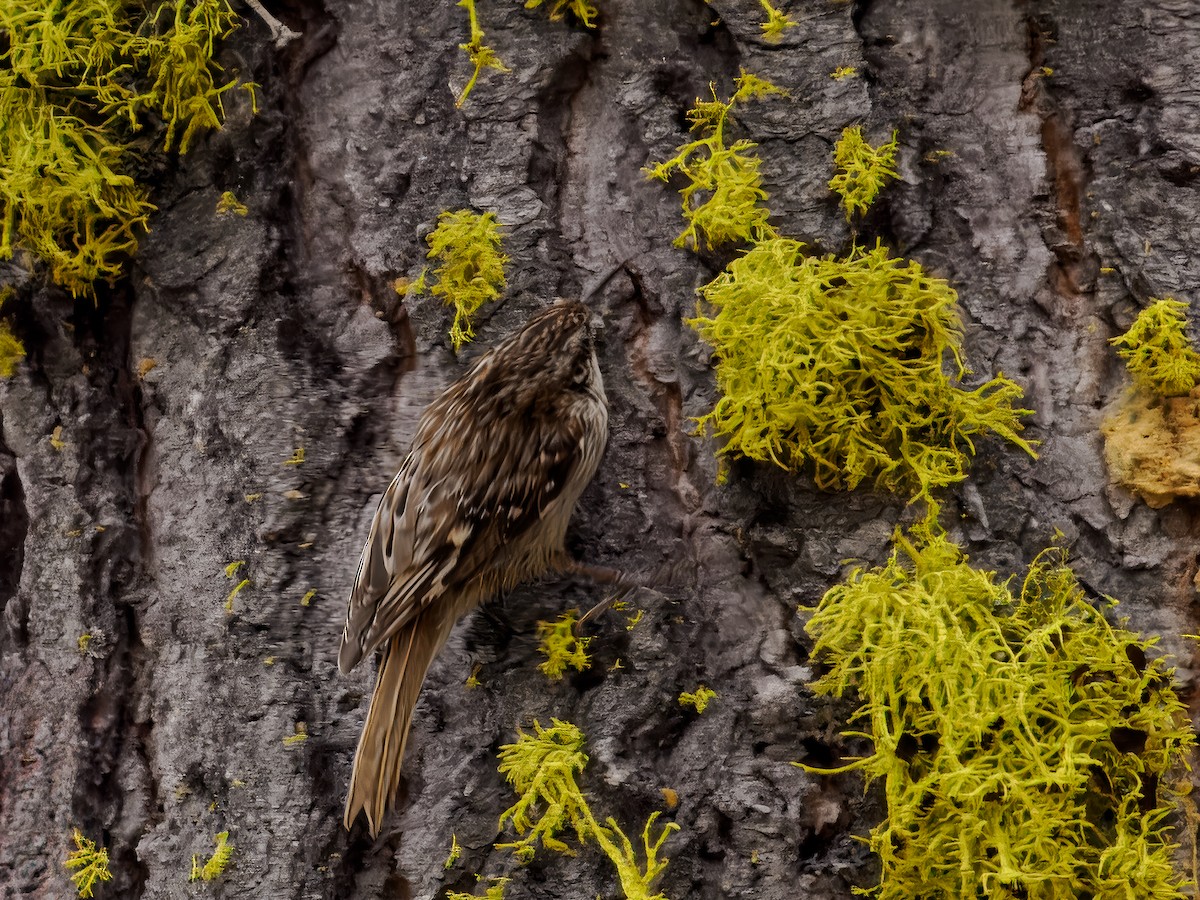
[298,736]
[88,864]
[12,351]
[216,863]
[229,203]
[480,54]
[542,768]
[455,852]
[494,891]
[583,10]
[1158,352]
[562,648]
[723,200]
[697,699]
[470,266]
[863,170]
[777,22]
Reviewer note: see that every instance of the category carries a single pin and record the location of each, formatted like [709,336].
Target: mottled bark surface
[1068,197]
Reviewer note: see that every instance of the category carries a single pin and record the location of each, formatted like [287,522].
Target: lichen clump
[470,266]
[1152,446]
[1152,434]
[494,891]
[562,648]
[12,350]
[76,80]
[723,197]
[1158,352]
[542,768]
[863,170]
[480,54]
[216,864]
[88,864]
[1026,744]
[777,22]
[839,366]
[697,699]
[583,10]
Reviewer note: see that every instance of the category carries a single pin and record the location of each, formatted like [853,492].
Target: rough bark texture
[281,330]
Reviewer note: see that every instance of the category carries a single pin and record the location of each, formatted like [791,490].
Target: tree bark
[1068,198]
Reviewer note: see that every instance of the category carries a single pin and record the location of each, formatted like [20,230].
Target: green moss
[470,266]
[216,864]
[723,199]
[76,80]
[88,864]
[480,54]
[776,23]
[1157,351]
[863,170]
[839,366]
[583,10]
[562,648]
[1026,744]
[542,768]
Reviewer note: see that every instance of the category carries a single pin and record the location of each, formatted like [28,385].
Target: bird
[480,504]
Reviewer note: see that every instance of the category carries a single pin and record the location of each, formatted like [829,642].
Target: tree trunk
[1067,199]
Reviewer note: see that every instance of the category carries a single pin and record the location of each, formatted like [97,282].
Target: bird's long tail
[376,773]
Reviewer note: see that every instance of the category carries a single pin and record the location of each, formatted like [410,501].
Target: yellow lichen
[455,852]
[1152,445]
[212,869]
[12,351]
[299,737]
[76,79]
[481,56]
[562,648]
[470,266]
[723,200]
[542,768]
[583,10]
[494,891]
[229,203]
[1157,350]
[1025,743]
[88,863]
[839,366]
[697,699]
[863,170]
[777,22]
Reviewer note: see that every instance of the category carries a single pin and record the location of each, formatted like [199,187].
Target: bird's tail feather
[376,773]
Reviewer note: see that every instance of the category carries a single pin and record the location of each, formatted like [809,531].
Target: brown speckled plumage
[480,504]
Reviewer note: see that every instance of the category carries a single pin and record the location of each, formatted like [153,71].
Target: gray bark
[281,330]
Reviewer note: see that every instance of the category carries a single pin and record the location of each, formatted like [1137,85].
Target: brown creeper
[480,504]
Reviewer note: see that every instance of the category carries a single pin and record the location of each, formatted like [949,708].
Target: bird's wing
[471,483]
